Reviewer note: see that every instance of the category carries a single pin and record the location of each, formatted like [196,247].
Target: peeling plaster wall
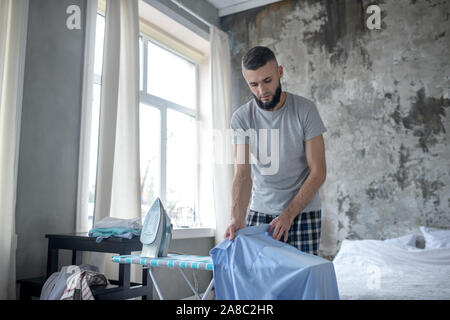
[384,96]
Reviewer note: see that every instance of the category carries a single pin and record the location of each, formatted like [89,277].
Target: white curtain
[118,174]
[221,118]
[13,24]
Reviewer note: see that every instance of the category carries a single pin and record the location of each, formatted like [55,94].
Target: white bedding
[375,269]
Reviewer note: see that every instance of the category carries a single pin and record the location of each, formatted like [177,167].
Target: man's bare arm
[241,190]
[315,156]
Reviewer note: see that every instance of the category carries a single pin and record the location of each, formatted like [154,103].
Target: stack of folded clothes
[115,227]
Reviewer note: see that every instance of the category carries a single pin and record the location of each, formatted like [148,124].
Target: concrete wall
[50,131]
[384,97]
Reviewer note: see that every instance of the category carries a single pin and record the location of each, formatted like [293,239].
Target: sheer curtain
[117,191]
[221,118]
[118,174]
[13,26]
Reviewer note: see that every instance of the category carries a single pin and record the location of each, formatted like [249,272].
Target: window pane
[181,186]
[93,150]
[141,64]
[150,137]
[99,40]
[95,116]
[170,77]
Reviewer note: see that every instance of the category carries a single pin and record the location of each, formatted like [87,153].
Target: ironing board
[172,261]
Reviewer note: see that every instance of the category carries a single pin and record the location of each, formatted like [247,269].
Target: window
[168,148]
[98,66]
[168,114]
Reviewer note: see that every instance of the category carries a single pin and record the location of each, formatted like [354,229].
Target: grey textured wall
[384,97]
[50,131]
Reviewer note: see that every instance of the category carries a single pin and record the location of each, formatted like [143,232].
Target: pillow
[435,238]
[408,240]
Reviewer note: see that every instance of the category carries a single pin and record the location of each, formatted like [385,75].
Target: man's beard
[271,104]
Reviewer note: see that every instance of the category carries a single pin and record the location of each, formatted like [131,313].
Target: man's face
[264,83]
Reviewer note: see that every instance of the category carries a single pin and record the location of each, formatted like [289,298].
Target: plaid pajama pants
[304,233]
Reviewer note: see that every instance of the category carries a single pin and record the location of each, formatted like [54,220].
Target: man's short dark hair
[257,57]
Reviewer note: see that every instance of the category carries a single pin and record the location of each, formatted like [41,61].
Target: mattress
[375,269]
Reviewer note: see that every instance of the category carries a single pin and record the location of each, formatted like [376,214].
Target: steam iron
[156,232]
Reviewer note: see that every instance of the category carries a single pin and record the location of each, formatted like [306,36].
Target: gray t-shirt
[277,147]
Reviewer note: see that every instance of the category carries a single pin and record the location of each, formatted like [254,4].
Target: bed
[393,269]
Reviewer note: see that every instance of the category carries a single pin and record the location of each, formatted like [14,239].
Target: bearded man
[287,198]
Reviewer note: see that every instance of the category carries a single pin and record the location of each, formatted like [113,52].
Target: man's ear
[280,71]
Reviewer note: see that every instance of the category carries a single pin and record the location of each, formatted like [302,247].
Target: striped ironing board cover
[171,261]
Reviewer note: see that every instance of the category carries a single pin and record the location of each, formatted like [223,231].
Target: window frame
[158,37]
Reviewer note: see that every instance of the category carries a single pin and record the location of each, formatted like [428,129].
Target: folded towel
[103,233]
[115,227]
[109,222]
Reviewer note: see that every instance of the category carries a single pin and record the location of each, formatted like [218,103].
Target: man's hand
[233,227]
[280,226]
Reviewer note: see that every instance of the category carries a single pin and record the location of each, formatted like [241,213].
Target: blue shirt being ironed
[254,266]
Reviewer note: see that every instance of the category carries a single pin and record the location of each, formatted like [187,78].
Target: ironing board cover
[171,261]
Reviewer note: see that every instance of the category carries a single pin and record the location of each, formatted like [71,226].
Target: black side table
[79,242]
